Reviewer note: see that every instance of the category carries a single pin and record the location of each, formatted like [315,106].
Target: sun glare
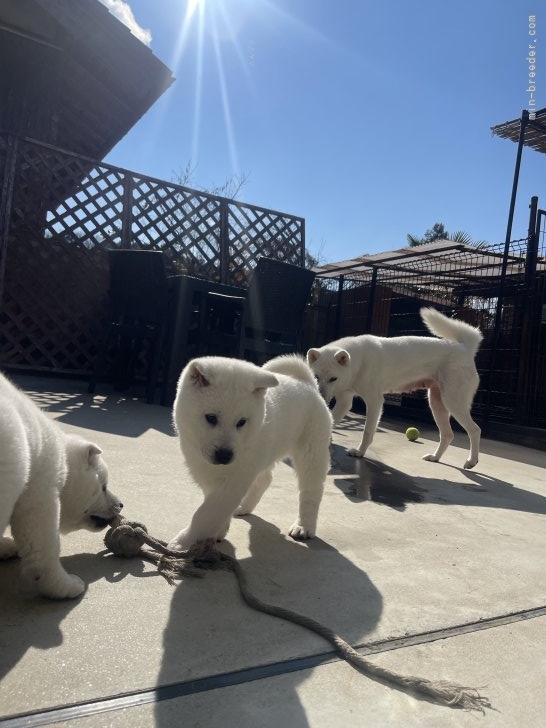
[212,30]
[208,22]
[193,5]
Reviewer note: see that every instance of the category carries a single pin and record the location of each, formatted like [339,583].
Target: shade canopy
[534,132]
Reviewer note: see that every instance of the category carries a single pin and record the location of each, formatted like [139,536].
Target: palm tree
[438,232]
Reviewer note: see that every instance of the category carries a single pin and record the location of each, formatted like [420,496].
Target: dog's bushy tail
[292,365]
[452,329]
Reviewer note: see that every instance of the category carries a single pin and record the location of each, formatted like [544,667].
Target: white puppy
[49,482]
[235,420]
[369,366]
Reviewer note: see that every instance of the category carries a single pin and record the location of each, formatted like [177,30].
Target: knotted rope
[126,538]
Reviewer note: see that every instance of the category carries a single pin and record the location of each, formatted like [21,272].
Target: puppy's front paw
[300,533]
[8,550]
[179,543]
[222,532]
[355,453]
[67,586]
[470,463]
[431,458]
[241,511]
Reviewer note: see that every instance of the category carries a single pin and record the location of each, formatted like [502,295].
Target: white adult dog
[49,482]
[235,420]
[370,366]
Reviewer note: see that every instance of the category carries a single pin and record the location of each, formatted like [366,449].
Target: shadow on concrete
[373,481]
[376,481]
[312,578]
[116,413]
[32,621]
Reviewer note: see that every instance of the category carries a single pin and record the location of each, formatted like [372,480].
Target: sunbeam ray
[225,100]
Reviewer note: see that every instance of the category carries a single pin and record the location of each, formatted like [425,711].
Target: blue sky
[369,119]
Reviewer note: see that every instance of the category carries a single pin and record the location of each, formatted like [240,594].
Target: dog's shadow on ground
[207,617]
[372,480]
[32,621]
[367,479]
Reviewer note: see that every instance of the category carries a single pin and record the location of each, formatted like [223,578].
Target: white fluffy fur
[50,482]
[235,420]
[370,366]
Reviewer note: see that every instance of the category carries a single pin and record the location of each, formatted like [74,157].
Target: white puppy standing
[49,482]
[235,420]
[369,366]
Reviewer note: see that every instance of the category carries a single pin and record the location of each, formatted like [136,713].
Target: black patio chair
[216,328]
[138,306]
[277,295]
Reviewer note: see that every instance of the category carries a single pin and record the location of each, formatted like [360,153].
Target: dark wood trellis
[59,214]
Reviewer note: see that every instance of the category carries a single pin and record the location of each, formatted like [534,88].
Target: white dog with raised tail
[50,482]
[369,366]
[235,420]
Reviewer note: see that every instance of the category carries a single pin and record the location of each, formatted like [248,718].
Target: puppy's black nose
[223,456]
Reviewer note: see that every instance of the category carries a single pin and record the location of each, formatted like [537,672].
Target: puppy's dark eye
[212,419]
[241,423]
[104,488]
[332,379]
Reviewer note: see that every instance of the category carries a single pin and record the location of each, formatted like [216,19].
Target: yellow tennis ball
[412,433]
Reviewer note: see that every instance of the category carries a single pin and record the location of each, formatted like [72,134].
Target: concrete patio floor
[433,570]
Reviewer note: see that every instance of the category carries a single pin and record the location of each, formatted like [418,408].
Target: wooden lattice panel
[44,177]
[182,223]
[54,305]
[93,215]
[68,210]
[255,232]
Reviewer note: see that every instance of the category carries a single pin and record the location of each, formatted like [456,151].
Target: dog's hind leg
[311,465]
[441,416]
[14,473]
[8,549]
[254,493]
[461,411]
[34,525]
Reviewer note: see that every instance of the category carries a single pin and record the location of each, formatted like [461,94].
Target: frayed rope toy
[126,538]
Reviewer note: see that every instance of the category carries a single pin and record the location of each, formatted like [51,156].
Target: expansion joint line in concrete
[136,698]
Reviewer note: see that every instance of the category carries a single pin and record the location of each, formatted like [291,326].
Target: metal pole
[371,301]
[528,318]
[532,243]
[498,311]
[523,126]
[338,309]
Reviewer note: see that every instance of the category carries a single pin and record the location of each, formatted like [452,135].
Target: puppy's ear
[197,375]
[91,453]
[262,381]
[342,357]
[312,355]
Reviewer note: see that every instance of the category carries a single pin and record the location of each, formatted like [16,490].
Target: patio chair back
[277,295]
[138,287]
[138,307]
